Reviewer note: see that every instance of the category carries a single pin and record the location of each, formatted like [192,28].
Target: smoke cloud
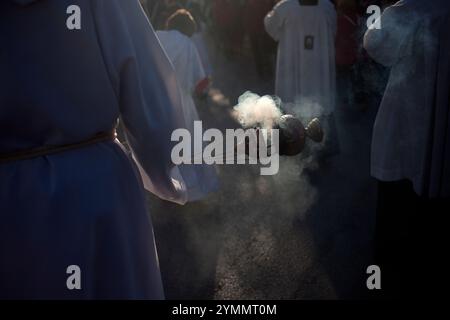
[253,110]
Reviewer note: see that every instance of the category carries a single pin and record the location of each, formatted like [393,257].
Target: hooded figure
[74,223]
[411,142]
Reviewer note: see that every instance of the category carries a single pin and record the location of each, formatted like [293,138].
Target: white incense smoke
[304,109]
[253,110]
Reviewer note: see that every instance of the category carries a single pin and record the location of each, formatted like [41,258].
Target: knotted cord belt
[48,150]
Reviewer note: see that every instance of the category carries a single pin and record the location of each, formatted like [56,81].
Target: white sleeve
[388,44]
[147,90]
[274,21]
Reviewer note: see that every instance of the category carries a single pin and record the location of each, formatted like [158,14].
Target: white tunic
[407,133]
[306,54]
[199,179]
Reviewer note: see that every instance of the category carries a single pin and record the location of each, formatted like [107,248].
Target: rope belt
[48,150]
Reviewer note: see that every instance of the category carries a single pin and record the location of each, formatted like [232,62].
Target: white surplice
[411,138]
[199,179]
[306,52]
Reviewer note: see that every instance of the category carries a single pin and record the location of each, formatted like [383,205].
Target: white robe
[306,54]
[199,179]
[411,139]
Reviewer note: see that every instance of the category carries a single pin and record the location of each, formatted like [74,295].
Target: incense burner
[293,134]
